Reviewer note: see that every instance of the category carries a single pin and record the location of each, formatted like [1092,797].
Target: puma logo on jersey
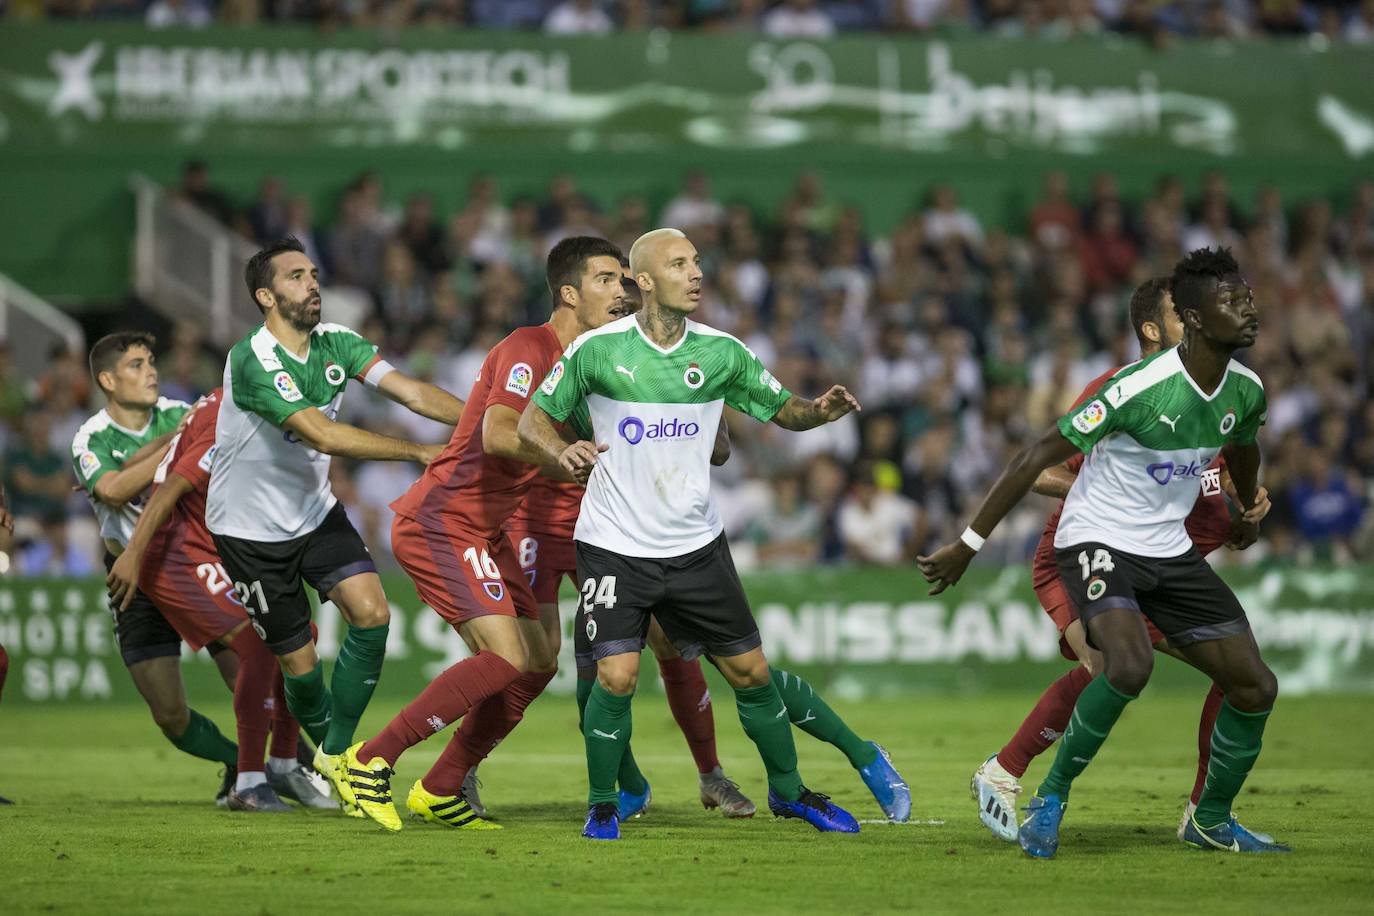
[1172,423]
[630,372]
[117,454]
[613,736]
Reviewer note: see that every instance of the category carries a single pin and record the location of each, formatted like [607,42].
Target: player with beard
[275,521]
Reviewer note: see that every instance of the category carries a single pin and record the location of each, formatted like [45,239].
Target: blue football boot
[1228,837]
[887,786]
[634,805]
[603,822]
[816,810]
[1039,834]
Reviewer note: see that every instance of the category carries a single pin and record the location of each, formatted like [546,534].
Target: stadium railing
[26,317]
[186,264]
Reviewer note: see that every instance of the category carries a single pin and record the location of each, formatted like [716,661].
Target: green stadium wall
[852,632]
[882,117]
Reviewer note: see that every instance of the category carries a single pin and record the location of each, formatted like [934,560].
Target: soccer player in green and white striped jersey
[270,509]
[114,456]
[1122,548]
[649,539]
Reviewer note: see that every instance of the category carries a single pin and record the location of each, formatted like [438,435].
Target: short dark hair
[1147,304]
[568,261]
[108,349]
[258,272]
[1194,275]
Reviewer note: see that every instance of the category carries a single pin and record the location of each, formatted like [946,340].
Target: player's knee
[618,680]
[1129,671]
[1257,694]
[515,655]
[753,674]
[370,612]
[173,719]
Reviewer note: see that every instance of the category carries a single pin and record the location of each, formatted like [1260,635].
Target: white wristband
[972,539]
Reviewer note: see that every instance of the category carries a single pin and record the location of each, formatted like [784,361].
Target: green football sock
[1098,708]
[606,729]
[203,739]
[356,672]
[809,712]
[308,699]
[764,717]
[630,777]
[1235,747]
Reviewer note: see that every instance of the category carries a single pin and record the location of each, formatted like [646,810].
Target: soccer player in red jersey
[995,784]
[172,559]
[447,536]
[541,531]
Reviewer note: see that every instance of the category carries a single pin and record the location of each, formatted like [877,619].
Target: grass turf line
[111,819]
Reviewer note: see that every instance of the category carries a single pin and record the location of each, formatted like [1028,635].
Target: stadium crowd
[960,339]
[1153,20]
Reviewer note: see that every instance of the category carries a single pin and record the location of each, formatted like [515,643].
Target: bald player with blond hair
[649,540]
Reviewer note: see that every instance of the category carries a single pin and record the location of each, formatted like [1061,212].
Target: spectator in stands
[693,206]
[797,19]
[877,524]
[1327,504]
[421,234]
[1107,253]
[196,190]
[787,531]
[267,216]
[300,223]
[357,243]
[190,14]
[1054,222]
[946,219]
[579,17]
[38,480]
[506,14]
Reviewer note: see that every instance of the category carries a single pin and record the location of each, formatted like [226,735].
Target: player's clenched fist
[579,458]
[945,566]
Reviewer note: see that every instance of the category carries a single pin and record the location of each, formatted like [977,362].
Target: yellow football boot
[369,786]
[449,810]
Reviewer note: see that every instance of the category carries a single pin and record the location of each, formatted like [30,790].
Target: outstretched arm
[538,434]
[324,435]
[123,578]
[799,414]
[946,565]
[421,397]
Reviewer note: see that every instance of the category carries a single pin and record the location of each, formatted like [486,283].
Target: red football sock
[252,687]
[1205,724]
[447,699]
[4,668]
[1045,723]
[484,728]
[286,731]
[690,702]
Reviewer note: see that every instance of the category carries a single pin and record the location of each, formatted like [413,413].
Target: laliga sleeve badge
[520,378]
[555,376]
[1090,417]
[90,463]
[286,387]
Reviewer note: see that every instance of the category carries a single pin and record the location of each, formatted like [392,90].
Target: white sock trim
[247,781]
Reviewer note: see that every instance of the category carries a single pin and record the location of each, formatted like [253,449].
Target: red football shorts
[462,575]
[197,598]
[545,560]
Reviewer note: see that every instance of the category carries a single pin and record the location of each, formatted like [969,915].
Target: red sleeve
[1094,386]
[1075,463]
[518,364]
[195,446]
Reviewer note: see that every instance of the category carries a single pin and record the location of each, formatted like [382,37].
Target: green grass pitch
[110,819]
